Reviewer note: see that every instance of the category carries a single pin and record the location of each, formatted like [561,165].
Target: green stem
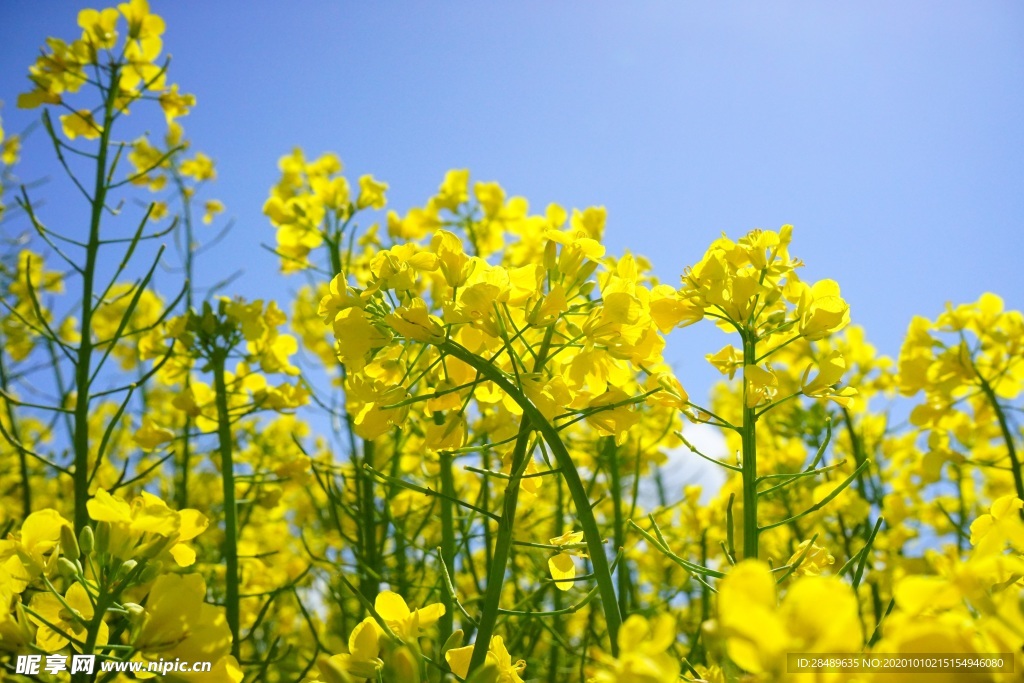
[502,550]
[84,361]
[554,653]
[447,621]
[571,476]
[185,465]
[230,510]
[26,485]
[369,569]
[748,432]
[369,583]
[1011,449]
[857,448]
[611,451]
[401,561]
[99,612]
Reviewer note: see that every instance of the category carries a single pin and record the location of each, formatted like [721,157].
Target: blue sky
[889,134]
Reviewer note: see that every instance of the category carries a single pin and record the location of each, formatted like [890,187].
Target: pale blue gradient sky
[890,134]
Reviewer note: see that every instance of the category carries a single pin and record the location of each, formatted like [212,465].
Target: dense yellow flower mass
[445,459]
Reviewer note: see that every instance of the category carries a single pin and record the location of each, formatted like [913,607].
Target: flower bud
[402,666]
[127,568]
[551,256]
[488,673]
[586,270]
[154,547]
[86,539]
[103,537]
[67,569]
[136,612]
[69,544]
[151,571]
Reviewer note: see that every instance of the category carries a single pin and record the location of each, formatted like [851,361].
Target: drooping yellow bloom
[175,104]
[150,437]
[210,209]
[146,526]
[831,369]
[497,655]
[563,570]
[99,28]
[80,124]
[34,550]
[144,27]
[59,70]
[445,432]
[1002,526]
[561,566]
[727,361]
[454,190]
[416,323]
[362,661]
[10,148]
[612,414]
[821,310]
[406,624]
[199,167]
[813,559]
[761,385]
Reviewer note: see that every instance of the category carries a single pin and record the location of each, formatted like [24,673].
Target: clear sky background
[890,134]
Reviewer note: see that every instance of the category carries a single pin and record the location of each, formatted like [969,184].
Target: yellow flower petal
[563,570]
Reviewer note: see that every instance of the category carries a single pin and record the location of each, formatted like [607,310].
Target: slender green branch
[823,502]
[447,549]
[695,450]
[749,464]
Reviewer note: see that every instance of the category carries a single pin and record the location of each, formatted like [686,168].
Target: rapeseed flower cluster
[443,460]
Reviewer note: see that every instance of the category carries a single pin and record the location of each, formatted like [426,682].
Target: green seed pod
[454,641]
[586,270]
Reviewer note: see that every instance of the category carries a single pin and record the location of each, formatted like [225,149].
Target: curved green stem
[584,512]
[1011,449]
